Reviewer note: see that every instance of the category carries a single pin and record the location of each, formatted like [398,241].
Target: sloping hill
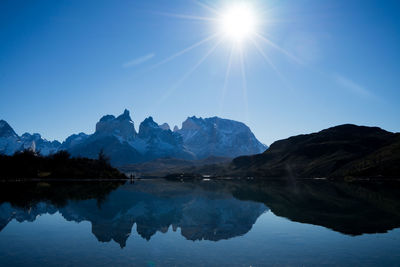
[345,150]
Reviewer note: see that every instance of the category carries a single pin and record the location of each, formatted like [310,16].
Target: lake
[202,223]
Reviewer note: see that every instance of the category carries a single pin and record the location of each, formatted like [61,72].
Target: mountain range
[342,152]
[197,139]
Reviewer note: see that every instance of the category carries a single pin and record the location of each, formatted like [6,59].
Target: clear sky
[65,63]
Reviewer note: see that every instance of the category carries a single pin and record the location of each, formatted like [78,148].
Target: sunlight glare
[238,22]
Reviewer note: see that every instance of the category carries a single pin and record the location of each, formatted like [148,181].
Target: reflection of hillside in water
[353,208]
[201,211]
[211,210]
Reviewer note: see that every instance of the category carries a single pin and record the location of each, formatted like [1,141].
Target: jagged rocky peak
[165,126]
[36,143]
[6,130]
[121,126]
[76,138]
[192,123]
[148,128]
[161,142]
[107,118]
[29,141]
[33,137]
[219,137]
[198,138]
[9,140]
[125,116]
[213,124]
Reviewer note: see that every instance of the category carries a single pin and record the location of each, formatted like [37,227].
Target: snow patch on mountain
[122,127]
[10,142]
[116,136]
[36,143]
[219,137]
[165,126]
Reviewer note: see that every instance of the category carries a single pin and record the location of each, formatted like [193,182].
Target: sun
[238,22]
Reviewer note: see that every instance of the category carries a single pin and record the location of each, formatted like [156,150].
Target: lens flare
[238,22]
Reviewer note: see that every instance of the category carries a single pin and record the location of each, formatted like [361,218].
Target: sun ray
[244,84]
[235,23]
[187,74]
[227,73]
[283,79]
[205,6]
[184,16]
[277,47]
[183,51]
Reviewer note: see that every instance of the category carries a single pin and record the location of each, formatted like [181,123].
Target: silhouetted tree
[28,165]
[61,155]
[103,159]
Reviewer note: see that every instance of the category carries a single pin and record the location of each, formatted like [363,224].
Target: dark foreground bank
[29,165]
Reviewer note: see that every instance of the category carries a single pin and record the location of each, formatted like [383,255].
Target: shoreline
[183,179]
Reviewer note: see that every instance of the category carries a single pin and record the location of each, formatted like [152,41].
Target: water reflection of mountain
[351,208]
[211,210]
[201,211]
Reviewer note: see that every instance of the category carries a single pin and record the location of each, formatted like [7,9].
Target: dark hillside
[345,150]
[29,165]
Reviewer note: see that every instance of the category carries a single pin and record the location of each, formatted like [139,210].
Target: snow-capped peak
[198,138]
[165,126]
[122,126]
[219,137]
[148,128]
[6,130]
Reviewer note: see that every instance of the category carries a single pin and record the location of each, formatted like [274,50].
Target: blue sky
[64,64]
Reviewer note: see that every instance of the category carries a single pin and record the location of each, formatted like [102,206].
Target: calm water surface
[214,223]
